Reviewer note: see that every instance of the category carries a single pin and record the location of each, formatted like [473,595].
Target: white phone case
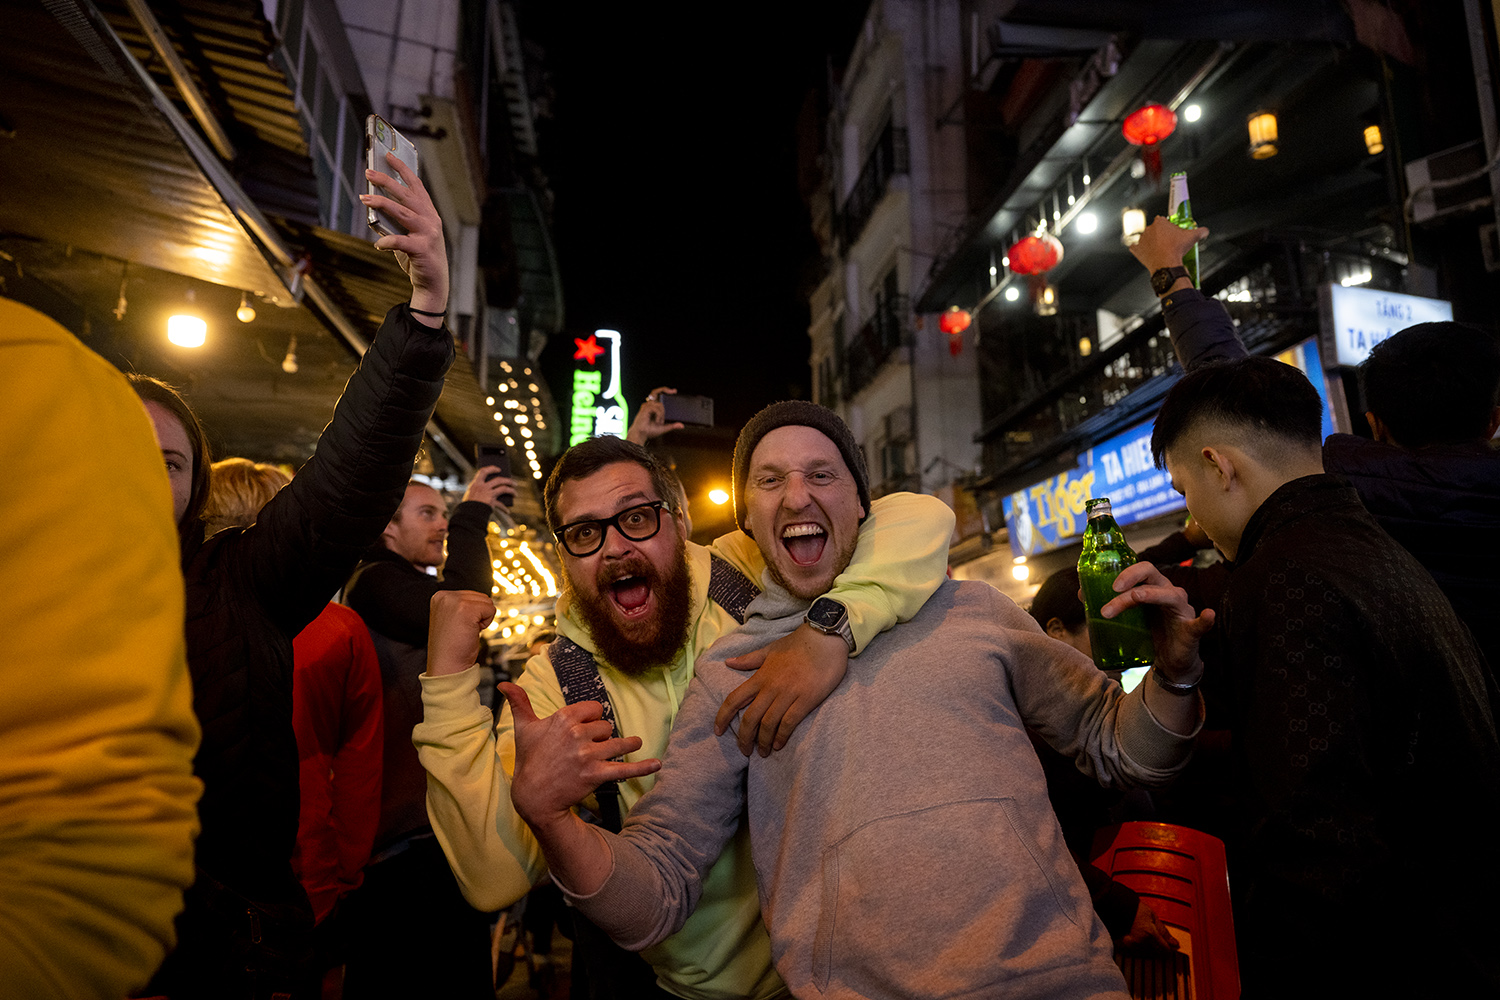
[380,138]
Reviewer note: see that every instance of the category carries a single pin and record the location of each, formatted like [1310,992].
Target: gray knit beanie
[796,412]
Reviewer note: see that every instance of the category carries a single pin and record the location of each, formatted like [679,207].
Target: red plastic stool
[1182,875]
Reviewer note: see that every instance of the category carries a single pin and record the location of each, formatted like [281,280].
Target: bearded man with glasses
[640,603]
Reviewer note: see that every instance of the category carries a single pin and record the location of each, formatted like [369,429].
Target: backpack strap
[578,673]
[730,589]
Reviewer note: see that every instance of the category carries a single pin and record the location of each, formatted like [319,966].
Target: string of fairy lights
[525,589]
[518,411]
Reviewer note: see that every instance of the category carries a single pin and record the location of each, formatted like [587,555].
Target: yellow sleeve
[740,551]
[469,762]
[900,560]
[97,734]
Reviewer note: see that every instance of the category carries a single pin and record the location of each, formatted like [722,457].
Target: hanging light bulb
[186,328]
[1132,224]
[246,312]
[289,363]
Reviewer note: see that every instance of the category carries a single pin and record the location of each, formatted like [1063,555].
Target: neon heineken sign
[598,409]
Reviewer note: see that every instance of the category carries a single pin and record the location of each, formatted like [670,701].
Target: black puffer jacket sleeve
[310,536]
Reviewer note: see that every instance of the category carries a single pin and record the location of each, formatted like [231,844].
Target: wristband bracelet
[424,312]
[1173,686]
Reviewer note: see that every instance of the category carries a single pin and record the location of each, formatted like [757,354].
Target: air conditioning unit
[1450,183]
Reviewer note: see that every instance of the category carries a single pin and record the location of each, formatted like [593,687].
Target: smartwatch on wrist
[831,618]
[1163,278]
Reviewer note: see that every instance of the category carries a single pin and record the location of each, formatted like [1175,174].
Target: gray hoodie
[903,839]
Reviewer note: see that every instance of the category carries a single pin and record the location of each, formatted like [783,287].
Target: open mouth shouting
[804,542]
[629,588]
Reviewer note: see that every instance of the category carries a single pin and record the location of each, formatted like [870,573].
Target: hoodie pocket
[947,900]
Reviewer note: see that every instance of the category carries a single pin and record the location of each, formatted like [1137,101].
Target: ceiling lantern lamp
[1132,225]
[1374,141]
[1046,303]
[1146,127]
[1263,143]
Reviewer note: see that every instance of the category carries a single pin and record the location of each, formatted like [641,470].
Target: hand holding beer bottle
[1180,213]
[1163,244]
[1116,588]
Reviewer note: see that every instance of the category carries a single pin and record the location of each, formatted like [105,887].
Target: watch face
[826,613]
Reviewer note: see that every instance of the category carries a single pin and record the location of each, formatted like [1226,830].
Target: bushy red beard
[636,647]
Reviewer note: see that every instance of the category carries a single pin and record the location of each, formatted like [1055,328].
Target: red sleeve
[357,762]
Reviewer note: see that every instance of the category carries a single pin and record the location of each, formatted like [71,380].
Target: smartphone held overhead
[382,138]
[497,457]
[697,411]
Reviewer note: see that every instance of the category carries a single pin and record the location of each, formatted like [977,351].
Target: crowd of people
[801,760]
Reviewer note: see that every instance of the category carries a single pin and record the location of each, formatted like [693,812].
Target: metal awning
[94,164]
[111,192]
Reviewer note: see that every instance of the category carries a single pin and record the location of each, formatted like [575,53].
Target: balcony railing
[888,158]
[875,342]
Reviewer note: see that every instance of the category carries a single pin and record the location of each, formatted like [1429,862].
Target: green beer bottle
[1124,641]
[1180,214]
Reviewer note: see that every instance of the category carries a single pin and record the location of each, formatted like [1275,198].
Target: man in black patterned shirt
[1367,751]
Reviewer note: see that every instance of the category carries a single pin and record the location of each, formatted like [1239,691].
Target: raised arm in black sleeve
[1200,328]
[310,536]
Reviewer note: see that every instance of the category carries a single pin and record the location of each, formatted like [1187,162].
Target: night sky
[672,153]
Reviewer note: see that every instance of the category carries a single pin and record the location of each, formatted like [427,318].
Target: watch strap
[1163,278]
[839,628]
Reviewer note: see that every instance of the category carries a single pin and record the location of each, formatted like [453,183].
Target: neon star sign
[588,350]
[598,409]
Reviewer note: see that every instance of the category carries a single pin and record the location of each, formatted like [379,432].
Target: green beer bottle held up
[1180,214]
[1124,641]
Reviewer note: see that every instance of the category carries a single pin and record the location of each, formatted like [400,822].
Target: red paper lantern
[1147,127]
[954,321]
[1036,254]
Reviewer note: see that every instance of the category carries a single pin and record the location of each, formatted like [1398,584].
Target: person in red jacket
[337,714]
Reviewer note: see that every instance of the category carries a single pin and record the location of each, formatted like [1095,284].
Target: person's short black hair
[1262,397]
[1058,598]
[154,390]
[1434,383]
[588,457]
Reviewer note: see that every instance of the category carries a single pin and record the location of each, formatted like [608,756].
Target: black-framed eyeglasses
[638,523]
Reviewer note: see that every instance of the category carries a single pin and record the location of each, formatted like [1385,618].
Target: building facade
[889,191]
[1361,105]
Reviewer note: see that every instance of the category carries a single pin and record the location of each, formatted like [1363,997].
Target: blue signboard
[1050,514]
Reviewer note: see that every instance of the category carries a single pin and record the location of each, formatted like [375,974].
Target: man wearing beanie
[902,839]
[640,604]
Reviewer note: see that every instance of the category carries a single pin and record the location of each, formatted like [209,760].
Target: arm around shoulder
[900,560]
